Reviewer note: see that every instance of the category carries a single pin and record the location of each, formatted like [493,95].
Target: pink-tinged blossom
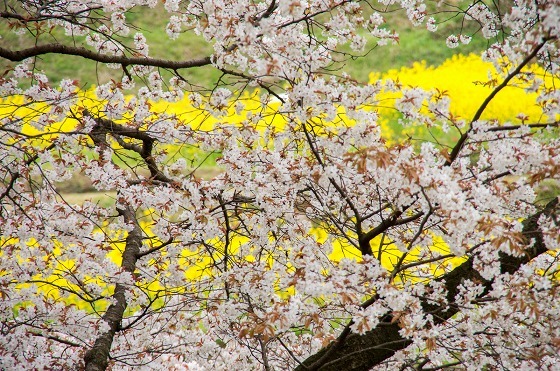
[452,41]
[431,24]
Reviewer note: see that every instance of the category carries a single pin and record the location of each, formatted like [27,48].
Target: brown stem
[16,175]
[532,126]
[461,142]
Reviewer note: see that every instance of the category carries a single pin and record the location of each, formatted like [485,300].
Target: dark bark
[104,127]
[97,358]
[362,352]
[55,48]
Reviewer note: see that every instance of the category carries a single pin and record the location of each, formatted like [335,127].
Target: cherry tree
[319,245]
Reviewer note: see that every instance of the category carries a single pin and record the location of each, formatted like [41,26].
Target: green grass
[414,45]
[104,199]
[547,190]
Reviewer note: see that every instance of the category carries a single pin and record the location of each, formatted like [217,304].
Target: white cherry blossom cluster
[308,231]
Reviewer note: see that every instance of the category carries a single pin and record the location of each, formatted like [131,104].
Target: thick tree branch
[54,48]
[379,344]
[104,127]
[155,248]
[392,221]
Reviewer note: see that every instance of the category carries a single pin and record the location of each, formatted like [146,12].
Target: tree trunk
[97,358]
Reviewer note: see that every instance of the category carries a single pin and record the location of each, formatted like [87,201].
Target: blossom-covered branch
[362,352]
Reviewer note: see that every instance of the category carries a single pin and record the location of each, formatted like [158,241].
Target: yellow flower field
[467,81]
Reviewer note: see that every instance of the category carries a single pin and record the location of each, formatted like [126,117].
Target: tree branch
[155,248]
[531,126]
[55,48]
[105,126]
[55,338]
[461,142]
[16,175]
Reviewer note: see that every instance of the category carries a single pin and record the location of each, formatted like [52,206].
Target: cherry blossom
[315,239]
